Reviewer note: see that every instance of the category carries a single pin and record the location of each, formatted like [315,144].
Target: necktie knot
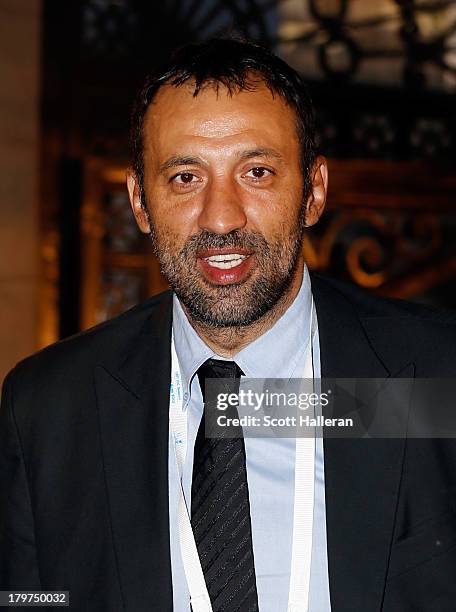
[228,374]
[219,368]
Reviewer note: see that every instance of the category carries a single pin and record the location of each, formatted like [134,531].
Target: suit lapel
[132,396]
[362,476]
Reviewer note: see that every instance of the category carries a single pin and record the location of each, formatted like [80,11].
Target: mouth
[225,267]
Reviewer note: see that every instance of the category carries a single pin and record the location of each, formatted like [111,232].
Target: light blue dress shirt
[281,352]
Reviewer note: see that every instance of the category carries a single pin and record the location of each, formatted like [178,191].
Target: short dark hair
[230,63]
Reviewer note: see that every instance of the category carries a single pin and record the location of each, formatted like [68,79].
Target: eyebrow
[262,152]
[187,160]
[177,160]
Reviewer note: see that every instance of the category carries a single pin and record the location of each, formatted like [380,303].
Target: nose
[222,210]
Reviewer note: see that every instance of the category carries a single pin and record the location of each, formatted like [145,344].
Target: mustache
[254,241]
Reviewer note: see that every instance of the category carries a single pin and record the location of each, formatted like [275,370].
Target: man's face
[224,194]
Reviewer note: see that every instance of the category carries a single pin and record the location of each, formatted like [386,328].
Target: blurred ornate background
[382,75]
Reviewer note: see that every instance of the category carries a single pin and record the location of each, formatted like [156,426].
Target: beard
[236,304]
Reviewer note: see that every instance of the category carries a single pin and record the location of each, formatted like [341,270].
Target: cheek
[173,222]
[275,213]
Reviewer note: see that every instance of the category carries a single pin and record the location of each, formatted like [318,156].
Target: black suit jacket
[84,464]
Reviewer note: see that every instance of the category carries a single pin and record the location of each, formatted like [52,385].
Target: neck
[227,341]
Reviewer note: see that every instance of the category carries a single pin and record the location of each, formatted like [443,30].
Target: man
[94,496]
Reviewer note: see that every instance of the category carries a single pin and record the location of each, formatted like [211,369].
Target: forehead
[217,117]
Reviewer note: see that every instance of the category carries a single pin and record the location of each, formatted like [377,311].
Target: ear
[318,190]
[139,210]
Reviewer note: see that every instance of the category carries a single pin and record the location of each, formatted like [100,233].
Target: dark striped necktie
[220,499]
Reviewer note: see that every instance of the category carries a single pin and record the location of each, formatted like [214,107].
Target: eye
[258,173]
[184,178]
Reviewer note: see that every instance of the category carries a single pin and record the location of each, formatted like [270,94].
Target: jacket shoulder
[400,330]
[371,306]
[69,358]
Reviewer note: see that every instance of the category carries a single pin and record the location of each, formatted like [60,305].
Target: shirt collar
[191,351]
[274,354]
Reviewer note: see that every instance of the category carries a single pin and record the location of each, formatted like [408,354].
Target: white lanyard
[303,500]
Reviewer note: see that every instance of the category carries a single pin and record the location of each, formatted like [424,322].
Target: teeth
[225,257]
[225,261]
